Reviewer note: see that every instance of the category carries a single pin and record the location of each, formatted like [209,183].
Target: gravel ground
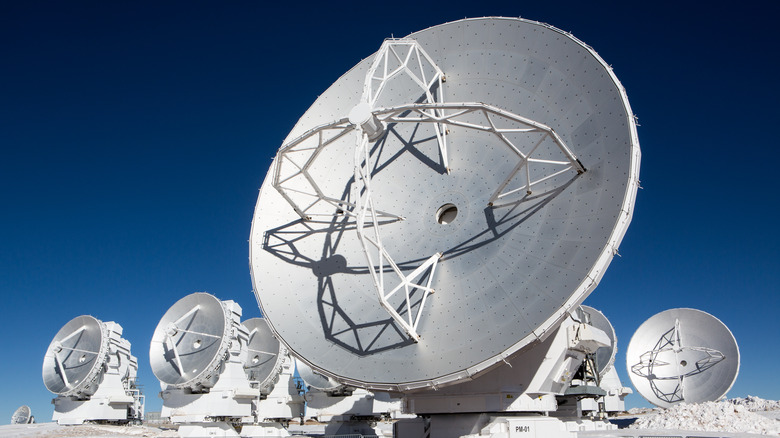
[749,417]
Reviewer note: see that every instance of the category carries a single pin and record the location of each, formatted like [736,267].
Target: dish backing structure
[443,208]
[89,367]
[682,356]
[218,375]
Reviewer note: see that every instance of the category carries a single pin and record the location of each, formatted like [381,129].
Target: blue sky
[134,137]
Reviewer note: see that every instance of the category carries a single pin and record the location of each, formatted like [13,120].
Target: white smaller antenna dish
[22,416]
[89,367]
[682,355]
[605,356]
[75,357]
[190,342]
[265,355]
[317,380]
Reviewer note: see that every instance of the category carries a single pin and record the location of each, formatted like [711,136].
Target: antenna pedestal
[228,400]
[70,412]
[214,428]
[513,396]
[280,405]
[358,412]
[590,401]
[614,401]
[596,391]
[324,407]
[270,369]
[348,410]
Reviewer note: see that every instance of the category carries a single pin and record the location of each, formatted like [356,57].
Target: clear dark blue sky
[134,136]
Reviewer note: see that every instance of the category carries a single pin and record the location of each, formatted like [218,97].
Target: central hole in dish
[683,363]
[446,214]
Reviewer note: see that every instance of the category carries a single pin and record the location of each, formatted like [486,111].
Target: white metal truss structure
[405,57]
[395,59]
[376,254]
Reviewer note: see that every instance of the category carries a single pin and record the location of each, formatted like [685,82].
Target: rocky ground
[748,417]
[711,416]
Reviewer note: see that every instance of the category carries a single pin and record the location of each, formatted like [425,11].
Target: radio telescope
[89,367]
[682,356]
[197,345]
[22,415]
[442,208]
[204,359]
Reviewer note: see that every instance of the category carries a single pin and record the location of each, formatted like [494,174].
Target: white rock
[724,416]
[756,404]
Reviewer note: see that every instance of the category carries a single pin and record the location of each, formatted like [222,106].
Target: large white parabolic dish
[682,355]
[75,358]
[509,269]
